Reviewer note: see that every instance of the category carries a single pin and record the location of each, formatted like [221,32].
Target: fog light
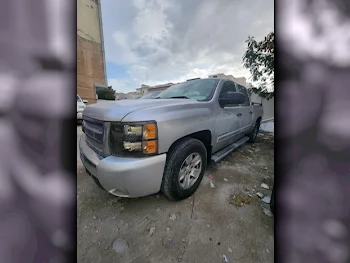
[119,192]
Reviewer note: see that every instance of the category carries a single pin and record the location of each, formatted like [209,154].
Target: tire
[97,182]
[178,158]
[95,179]
[254,132]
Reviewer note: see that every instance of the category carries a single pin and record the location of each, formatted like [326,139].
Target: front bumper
[124,177]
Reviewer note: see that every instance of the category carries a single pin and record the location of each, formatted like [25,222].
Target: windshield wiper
[179,97]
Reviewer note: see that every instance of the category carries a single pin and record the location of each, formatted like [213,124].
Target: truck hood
[117,110]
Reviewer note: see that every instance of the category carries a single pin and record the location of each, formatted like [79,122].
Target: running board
[227,150]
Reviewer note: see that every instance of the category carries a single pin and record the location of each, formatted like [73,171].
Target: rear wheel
[254,133]
[184,169]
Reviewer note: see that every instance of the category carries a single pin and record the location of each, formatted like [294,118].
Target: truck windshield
[199,89]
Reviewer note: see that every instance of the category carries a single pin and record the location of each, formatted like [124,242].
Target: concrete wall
[90,53]
[268,105]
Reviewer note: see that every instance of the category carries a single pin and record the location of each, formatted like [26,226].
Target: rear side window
[78,99]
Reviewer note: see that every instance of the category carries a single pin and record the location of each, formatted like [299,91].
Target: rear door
[228,120]
[247,111]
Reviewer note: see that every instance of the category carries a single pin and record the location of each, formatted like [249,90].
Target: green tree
[106,94]
[259,58]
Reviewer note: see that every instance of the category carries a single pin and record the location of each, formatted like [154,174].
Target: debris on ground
[229,249]
[265,186]
[167,241]
[226,180]
[225,258]
[120,246]
[267,212]
[238,200]
[260,195]
[152,230]
[173,217]
[211,177]
[212,185]
[266,199]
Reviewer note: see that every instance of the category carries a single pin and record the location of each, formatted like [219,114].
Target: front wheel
[184,169]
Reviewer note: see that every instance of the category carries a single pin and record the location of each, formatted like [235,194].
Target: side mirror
[85,101]
[232,98]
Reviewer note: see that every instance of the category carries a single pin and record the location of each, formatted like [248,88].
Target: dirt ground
[226,222]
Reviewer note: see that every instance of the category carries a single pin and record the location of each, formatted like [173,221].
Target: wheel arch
[205,136]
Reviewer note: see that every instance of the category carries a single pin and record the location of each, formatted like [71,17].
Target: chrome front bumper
[124,177]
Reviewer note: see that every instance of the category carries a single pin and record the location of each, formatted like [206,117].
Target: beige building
[145,89]
[241,80]
[91,65]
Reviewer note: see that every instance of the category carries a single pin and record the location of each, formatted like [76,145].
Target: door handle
[239,114]
[250,112]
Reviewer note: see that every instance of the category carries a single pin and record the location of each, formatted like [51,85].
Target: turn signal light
[149,147]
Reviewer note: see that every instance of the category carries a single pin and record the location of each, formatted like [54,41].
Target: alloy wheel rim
[190,170]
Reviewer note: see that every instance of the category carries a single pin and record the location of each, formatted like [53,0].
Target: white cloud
[170,41]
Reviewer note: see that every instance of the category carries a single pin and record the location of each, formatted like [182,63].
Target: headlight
[133,139]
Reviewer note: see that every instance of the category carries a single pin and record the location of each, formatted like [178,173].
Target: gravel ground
[226,222]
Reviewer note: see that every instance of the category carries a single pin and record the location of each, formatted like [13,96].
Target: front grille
[94,131]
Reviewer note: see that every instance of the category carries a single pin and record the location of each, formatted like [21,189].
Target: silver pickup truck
[135,148]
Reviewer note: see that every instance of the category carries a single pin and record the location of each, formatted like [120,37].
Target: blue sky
[116,70]
[159,41]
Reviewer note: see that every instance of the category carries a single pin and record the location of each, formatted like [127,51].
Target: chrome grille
[94,131]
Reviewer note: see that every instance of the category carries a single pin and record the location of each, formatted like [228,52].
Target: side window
[243,90]
[228,86]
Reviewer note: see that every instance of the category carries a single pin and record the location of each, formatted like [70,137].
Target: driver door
[228,120]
